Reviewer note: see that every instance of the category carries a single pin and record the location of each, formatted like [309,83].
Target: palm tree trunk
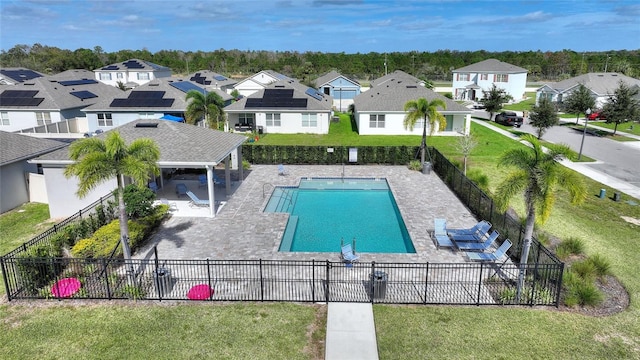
[124,229]
[423,144]
[526,245]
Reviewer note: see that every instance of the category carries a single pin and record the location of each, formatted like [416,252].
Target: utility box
[162,280]
[378,281]
[603,193]
[426,168]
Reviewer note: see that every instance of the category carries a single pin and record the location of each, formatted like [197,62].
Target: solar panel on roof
[20,75]
[268,93]
[146,94]
[220,78]
[18,93]
[84,94]
[110,67]
[9,98]
[186,86]
[314,94]
[132,64]
[142,102]
[77,82]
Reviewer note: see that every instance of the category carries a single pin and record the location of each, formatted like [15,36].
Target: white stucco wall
[120,119]
[13,186]
[19,120]
[394,125]
[63,201]
[515,86]
[290,123]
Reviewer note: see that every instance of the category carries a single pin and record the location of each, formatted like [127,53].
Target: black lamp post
[584,132]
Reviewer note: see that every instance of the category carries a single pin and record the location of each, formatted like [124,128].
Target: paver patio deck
[241,230]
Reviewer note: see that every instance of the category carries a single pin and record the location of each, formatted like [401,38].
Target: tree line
[432,66]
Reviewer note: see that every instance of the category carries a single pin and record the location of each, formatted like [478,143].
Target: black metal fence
[274,280]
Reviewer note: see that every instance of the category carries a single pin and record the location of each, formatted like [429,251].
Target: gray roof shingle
[396,76]
[140,65]
[600,83]
[181,145]
[299,91]
[491,66]
[330,76]
[16,147]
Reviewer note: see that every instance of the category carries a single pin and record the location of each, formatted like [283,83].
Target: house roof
[329,77]
[392,95]
[397,75]
[270,74]
[491,66]
[211,79]
[11,76]
[67,90]
[601,84]
[283,96]
[133,65]
[16,147]
[162,94]
[181,145]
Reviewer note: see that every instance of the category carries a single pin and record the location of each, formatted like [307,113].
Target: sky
[348,26]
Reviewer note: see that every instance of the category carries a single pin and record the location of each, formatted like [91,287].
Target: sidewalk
[580,167]
[351,332]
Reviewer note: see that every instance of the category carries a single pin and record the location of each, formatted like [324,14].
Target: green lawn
[403,332]
[628,127]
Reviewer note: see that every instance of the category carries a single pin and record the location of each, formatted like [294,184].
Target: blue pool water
[324,211]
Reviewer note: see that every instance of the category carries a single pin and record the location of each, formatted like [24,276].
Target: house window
[245,119]
[463,77]
[502,78]
[4,119]
[484,76]
[105,76]
[419,124]
[43,118]
[309,120]
[376,121]
[119,75]
[146,115]
[273,119]
[143,76]
[104,119]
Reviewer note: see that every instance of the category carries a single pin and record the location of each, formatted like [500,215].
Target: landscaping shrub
[570,246]
[34,271]
[584,269]
[480,179]
[246,165]
[415,165]
[103,241]
[601,265]
[138,201]
[583,293]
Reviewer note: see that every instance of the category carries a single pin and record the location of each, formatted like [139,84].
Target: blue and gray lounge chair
[282,170]
[202,179]
[496,255]
[469,231]
[181,189]
[479,246]
[218,181]
[195,201]
[440,234]
[153,186]
[348,255]
[479,235]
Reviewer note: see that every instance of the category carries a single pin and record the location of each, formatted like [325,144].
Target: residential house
[12,76]
[285,107]
[470,81]
[211,80]
[258,82]
[380,110]
[341,88]
[46,103]
[157,99]
[20,181]
[395,77]
[182,146]
[131,73]
[601,85]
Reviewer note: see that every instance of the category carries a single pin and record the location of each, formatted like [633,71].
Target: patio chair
[348,255]
[282,170]
[195,201]
[469,231]
[493,256]
[479,235]
[172,205]
[181,189]
[202,180]
[479,246]
[153,186]
[440,234]
[218,181]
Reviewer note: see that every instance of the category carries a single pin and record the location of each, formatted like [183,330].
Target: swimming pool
[326,210]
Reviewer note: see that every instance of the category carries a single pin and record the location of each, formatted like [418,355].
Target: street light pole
[584,131]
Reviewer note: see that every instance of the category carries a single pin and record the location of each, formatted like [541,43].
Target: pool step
[289,231]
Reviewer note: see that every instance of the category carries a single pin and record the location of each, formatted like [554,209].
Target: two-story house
[470,81]
[131,73]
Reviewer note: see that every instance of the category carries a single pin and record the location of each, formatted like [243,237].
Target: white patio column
[227,174]
[240,167]
[211,192]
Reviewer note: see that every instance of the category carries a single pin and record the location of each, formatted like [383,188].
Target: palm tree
[537,175]
[422,109]
[96,161]
[204,105]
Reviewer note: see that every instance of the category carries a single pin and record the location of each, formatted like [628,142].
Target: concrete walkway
[582,167]
[351,332]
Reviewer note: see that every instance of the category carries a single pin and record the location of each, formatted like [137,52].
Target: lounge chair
[479,235]
[195,201]
[496,255]
[202,179]
[282,170]
[218,181]
[469,231]
[479,246]
[440,234]
[181,189]
[348,255]
[153,186]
